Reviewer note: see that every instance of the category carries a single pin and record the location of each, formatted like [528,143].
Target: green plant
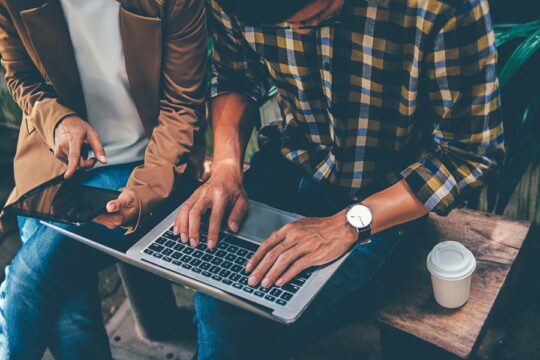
[522,126]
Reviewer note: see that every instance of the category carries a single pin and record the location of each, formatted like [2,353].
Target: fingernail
[279,283]
[210,244]
[102,158]
[175,230]
[252,280]
[183,237]
[234,226]
[249,266]
[265,283]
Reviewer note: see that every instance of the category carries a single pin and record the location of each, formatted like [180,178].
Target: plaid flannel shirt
[403,89]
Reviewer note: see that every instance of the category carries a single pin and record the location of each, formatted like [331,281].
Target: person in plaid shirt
[394,104]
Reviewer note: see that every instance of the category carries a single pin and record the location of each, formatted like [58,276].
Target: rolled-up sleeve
[468,139]
[235,67]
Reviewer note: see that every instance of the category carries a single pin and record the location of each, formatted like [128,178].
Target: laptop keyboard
[225,263]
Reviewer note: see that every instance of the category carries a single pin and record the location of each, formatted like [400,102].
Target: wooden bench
[413,324]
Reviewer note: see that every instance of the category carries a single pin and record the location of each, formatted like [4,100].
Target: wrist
[350,233]
[229,167]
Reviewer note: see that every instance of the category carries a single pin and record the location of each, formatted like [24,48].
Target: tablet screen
[67,201]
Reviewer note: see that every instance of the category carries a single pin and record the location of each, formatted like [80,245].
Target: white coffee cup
[451,266]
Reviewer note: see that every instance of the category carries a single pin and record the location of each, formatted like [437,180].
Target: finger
[181,224]
[216,217]
[112,221]
[273,240]
[237,213]
[283,262]
[86,164]
[95,143]
[73,158]
[296,268]
[195,215]
[267,262]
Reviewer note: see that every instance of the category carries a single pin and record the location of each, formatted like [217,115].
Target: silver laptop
[219,272]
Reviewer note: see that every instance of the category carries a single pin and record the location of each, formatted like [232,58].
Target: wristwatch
[359,216]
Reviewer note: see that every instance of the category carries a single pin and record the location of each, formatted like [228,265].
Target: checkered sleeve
[234,67]
[468,141]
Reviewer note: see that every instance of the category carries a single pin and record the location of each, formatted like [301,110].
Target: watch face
[359,216]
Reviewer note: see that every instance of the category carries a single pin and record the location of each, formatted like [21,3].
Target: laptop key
[167,252]
[220,253]
[234,277]
[158,255]
[232,249]
[161,240]
[276,292]
[196,270]
[243,280]
[170,243]
[281,302]
[205,266]
[258,293]
[248,289]
[216,261]
[222,245]
[286,296]
[270,298]
[240,261]
[186,258]
[291,288]
[179,247]
[242,252]
[237,285]
[225,273]
[215,269]
[237,269]
[226,264]
[176,262]
[156,247]
[187,266]
[176,255]
[167,259]
[148,251]
[230,257]
[207,274]
[298,281]
[207,257]
[217,277]
[195,262]
[227,282]
[188,250]
[197,254]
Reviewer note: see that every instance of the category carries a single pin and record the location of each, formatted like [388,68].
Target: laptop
[218,272]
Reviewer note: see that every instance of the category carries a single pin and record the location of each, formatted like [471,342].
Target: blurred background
[513,335]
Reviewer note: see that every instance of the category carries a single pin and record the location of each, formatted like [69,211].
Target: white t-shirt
[94,26]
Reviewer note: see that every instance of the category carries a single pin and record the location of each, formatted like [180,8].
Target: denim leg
[48,297]
[228,332]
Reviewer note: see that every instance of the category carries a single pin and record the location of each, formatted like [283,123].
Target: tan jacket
[165,47]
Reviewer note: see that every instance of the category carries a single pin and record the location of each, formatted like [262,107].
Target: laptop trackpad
[262,220]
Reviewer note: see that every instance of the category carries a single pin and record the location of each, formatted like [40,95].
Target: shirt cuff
[432,184]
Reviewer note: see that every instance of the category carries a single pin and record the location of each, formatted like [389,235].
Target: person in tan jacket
[126,80]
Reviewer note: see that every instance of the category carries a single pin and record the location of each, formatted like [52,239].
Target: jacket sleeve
[183,91]
[38,101]
[468,141]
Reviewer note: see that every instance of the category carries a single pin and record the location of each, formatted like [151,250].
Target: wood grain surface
[495,241]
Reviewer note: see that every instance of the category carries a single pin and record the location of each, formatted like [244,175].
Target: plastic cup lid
[451,260]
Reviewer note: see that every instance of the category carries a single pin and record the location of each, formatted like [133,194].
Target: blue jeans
[49,297]
[228,332]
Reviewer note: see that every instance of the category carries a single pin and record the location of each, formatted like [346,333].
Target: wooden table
[413,316]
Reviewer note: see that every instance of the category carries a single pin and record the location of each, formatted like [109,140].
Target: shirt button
[326,66]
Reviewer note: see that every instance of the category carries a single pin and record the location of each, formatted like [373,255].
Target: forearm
[232,121]
[394,205]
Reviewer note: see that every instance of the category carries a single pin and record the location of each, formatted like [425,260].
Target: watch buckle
[365,242]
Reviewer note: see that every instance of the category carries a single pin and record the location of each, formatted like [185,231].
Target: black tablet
[65,201]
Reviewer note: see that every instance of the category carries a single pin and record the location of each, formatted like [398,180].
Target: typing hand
[222,191]
[70,136]
[299,245]
[120,212]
